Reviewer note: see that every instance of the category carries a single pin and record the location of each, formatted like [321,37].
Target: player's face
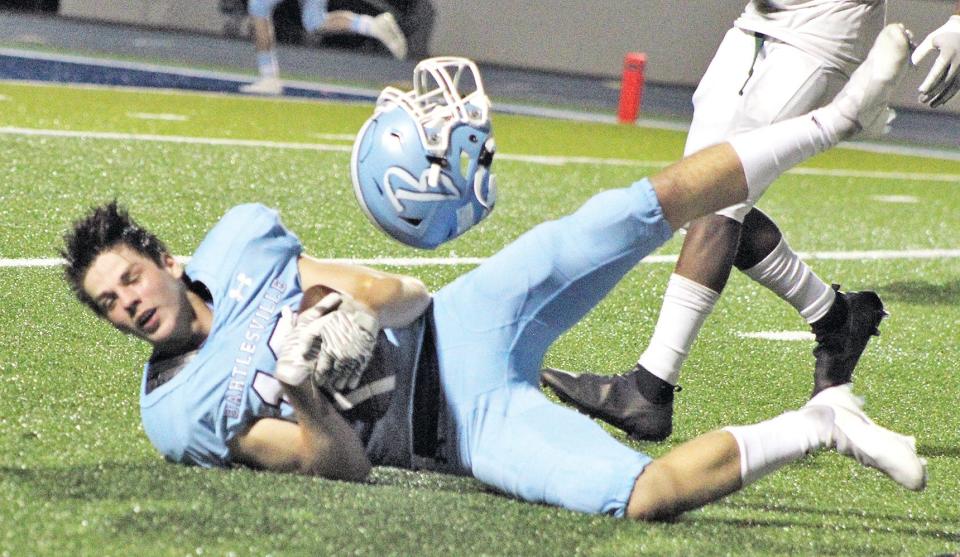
[140,297]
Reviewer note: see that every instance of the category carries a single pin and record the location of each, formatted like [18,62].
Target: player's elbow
[346,470]
[396,299]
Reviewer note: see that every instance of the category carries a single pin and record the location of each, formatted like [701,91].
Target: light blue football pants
[494,326]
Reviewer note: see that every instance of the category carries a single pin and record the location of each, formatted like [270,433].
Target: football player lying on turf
[449,382]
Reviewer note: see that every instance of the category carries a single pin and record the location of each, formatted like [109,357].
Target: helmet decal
[419,190]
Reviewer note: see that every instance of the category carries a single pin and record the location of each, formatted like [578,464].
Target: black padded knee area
[759,237]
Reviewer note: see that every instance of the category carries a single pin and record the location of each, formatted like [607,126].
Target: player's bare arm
[321,444]
[395,299]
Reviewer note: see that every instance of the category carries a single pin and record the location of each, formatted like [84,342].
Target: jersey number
[268,387]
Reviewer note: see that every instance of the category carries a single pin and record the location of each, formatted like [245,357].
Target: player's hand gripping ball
[332,341]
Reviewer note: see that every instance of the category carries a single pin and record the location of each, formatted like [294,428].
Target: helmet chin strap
[482,172]
[478,179]
[433,175]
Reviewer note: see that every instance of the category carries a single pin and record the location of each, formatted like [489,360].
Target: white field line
[788,336]
[160,116]
[907,199]
[116,136]
[652,259]
[187,72]
[335,136]
[908,150]
[876,174]
[532,159]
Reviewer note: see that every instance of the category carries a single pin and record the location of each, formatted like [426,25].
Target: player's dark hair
[104,227]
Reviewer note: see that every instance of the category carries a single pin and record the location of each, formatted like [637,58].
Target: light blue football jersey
[192,405]
[248,262]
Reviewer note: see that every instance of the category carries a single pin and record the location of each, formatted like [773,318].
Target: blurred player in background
[379,372]
[316,20]
[782,58]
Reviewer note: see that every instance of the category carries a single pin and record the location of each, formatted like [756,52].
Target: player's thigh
[525,445]
[717,98]
[570,262]
[745,88]
[787,82]
[521,299]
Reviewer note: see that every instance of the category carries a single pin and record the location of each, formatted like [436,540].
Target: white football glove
[943,81]
[347,332]
[301,346]
[331,342]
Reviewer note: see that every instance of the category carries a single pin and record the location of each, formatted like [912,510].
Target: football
[313,295]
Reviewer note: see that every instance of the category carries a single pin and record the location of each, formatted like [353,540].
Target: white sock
[267,63]
[362,24]
[686,305]
[769,445]
[787,276]
[768,152]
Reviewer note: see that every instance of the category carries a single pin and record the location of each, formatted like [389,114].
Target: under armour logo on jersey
[242,281]
[433,185]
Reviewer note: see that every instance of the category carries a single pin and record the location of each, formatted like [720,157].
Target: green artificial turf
[78,477]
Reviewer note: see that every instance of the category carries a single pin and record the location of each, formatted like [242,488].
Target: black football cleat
[840,345]
[638,402]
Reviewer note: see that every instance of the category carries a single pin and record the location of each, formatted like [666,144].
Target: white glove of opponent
[331,342]
[943,81]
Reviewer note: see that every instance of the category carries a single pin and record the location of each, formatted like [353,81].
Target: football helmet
[421,164]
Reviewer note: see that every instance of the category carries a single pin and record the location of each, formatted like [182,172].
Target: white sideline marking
[4,98]
[876,255]
[172,139]
[152,116]
[876,174]
[895,198]
[651,259]
[176,70]
[335,136]
[143,42]
[909,150]
[532,159]
[779,335]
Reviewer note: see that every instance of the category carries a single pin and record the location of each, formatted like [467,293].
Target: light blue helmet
[421,163]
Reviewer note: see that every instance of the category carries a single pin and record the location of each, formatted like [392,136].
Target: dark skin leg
[709,250]
[714,244]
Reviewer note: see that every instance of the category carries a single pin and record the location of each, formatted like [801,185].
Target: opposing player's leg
[383,27]
[843,326]
[721,462]
[261,15]
[640,402]
[842,322]
[751,82]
